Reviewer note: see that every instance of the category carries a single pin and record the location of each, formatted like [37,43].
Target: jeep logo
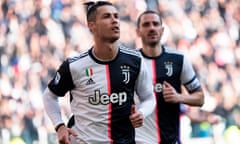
[105,99]
[158,87]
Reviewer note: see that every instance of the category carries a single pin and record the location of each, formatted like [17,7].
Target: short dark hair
[91,8]
[148,12]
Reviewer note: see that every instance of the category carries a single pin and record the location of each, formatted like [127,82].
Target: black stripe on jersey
[122,131]
[168,121]
[62,82]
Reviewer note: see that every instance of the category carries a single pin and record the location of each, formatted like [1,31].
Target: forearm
[52,107]
[194,99]
[147,106]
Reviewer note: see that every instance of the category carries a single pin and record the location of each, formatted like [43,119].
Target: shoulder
[172,51]
[77,57]
[129,51]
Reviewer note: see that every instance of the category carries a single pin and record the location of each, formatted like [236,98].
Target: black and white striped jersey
[102,94]
[162,127]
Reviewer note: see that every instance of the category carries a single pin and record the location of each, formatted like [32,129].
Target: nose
[115,19]
[151,26]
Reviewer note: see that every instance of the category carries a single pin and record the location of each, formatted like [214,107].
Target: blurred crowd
[37,35]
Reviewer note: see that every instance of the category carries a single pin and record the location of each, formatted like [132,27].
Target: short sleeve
[62,81]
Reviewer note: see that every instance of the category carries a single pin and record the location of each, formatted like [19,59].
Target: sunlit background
[37,35]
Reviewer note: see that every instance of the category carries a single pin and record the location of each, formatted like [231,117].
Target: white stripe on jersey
[129,51]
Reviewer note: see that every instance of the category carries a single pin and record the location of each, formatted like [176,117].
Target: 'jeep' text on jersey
[105,99]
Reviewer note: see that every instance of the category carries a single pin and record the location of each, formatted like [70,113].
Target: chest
[113,77]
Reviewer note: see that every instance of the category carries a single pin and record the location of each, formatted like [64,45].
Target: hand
[169,93]
[64,133]
[136,117]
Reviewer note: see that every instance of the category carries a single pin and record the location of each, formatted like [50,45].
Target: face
[106,25]
[150,29]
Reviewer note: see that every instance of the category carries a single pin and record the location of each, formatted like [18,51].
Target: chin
[153,43]
[113,39]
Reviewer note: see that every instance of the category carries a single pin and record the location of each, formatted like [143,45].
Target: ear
[91,26]
[162,29]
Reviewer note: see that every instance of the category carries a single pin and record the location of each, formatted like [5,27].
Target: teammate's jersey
[102,94]
[162,127]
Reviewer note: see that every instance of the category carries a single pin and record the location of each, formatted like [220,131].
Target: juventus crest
[125,73]
[169,68]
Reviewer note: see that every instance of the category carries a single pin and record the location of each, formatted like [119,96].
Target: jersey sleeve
[188,76]
[144,90]
[62,81]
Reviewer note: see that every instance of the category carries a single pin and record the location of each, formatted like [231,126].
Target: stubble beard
[153,44]
[113,39]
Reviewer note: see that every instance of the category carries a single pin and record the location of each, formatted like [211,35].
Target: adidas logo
[90,81]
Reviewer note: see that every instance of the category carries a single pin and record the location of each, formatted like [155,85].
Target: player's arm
[144,91]
[58,86]
[170,95]
[195,96]
[53,110]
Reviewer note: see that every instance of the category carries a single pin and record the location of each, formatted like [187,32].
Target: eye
[116,16]
[146,24]
[156,23]
[106,15]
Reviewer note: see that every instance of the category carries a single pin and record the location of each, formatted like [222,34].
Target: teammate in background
[169,70]
[101,82]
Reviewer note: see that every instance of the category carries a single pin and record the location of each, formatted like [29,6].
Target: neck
[105,51]
[152,51]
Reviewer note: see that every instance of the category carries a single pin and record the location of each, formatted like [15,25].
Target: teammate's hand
[64,133]
[169,93]
[136,117]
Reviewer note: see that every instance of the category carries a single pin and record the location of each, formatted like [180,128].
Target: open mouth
[115,29]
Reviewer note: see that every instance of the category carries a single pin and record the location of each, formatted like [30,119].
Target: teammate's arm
[194,99]
[195,96]
[171,95]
